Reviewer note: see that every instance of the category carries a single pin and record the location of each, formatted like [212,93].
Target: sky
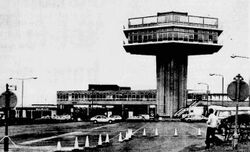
[69,44]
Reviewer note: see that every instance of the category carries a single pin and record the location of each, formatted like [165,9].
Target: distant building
[107,99]
[36,111]
[125,102]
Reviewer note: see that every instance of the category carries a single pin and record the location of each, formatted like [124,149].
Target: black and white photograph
[124,75]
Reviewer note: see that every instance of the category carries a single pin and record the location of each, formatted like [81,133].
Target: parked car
[61,117]
[195,118]
[116,117]
[101,119]
[43,118]
[46,117]
[145,116]
[148,117]
[136,118]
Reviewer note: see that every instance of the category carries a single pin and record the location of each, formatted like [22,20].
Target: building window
[161,19]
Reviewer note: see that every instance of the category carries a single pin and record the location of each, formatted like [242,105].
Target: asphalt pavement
[170,136]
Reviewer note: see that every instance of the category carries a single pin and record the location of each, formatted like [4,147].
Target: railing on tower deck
[173,34]
[172,18]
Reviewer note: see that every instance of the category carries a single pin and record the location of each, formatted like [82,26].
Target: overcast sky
[69,44]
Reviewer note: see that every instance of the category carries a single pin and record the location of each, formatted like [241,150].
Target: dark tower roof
[172,12]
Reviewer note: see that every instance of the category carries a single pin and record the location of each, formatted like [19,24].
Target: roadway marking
[63,135]
[197,129]
[139,128]
[81,133]
[132,131]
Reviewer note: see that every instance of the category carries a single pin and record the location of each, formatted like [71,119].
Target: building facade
[126,102]
[123,102]
[36,111]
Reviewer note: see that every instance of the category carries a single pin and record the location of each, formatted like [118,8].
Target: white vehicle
[101,119]
[46,117]
[146,116]
[116,117]
[194,110]
[223,112]
[61,117]
[195,118]
[136,118]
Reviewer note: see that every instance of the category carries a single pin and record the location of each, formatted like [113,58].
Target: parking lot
[172,136]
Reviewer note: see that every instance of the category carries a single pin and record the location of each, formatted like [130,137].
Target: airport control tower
[171,37]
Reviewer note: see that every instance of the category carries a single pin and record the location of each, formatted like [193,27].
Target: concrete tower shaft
[171,84]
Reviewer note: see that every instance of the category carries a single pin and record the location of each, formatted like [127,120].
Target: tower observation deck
[171,37]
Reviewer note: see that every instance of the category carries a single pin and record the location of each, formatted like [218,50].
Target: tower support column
[171,84]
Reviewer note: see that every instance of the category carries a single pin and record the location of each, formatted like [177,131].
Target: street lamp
[238,56]
[222,85]
[22,79]
[207,91]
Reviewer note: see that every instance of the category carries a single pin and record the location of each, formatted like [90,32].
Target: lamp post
[22,79]
[222,85]
[207,91]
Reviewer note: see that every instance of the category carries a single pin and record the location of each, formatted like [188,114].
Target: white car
[46,117]
[62,117]
[102,118]
[116,117]
[136,118]
[195,118]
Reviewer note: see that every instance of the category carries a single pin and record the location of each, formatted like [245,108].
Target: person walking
[212,123]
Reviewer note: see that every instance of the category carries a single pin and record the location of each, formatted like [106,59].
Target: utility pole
[238,79]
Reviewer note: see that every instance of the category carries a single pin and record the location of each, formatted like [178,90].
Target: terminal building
[108,100]
[112,99]
[126,102]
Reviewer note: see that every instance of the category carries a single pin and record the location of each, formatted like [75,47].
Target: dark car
[226,126]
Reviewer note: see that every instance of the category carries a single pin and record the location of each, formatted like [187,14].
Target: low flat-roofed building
[36,111]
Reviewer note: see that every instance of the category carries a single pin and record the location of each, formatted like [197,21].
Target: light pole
[207,92]
[222,85]
[22,79]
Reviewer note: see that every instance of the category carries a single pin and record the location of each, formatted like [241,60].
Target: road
[44,137]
